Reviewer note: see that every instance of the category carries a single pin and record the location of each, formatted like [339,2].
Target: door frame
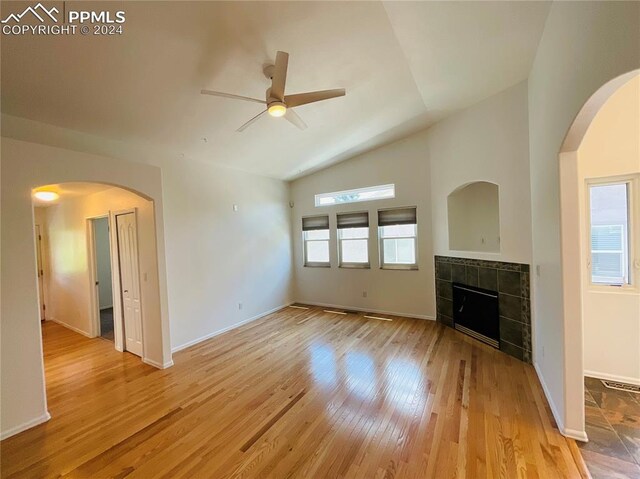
[115,277]
[94,303]
[94,298]
[42,293]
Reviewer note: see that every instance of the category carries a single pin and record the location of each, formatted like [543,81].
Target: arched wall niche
[473,212]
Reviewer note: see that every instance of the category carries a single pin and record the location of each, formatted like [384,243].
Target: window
[315,231]
[353,240]
[609,222]
[397,230]
[360,194]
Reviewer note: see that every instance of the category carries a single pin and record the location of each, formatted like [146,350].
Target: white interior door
[40,272]
[130,282]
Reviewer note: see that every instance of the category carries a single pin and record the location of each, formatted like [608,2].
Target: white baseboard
[575,434]
[570,433]
[24,426]
[193,342]
[72,328]
[156,364]
[612,377]
[369,310]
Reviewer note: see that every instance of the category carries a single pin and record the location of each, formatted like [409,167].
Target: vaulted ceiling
[405,65]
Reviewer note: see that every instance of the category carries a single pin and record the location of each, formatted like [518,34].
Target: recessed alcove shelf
[474,217]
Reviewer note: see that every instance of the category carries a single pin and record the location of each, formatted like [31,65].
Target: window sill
[355,266]
[317,265]
[400,267]
[614,289]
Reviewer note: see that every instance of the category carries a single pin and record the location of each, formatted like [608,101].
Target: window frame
[318,197]
[350,264]
[398,266]
[632,237]
[305,252]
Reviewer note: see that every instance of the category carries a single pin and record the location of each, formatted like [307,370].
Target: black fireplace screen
[475,312]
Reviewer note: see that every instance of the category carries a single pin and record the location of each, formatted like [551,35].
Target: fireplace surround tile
[471,275]
[488,278]
[510,280]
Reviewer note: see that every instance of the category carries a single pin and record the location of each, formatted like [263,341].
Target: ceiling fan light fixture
[46,195]
[277,109]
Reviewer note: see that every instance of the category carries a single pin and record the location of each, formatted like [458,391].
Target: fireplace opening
[475,312]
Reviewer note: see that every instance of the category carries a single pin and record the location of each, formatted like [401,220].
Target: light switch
[235,207]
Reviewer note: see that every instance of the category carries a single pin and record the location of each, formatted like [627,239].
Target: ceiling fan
[278,104]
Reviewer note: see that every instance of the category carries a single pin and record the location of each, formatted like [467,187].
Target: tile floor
[106,323]
[613,427]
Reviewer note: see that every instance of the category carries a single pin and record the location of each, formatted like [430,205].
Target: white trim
[193,342]
[575,434]
[72,328]
[24,426]
[156,364]
[369,310]
[571,433]
[612,377]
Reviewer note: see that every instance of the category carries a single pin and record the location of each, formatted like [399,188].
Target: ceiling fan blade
[279,76]
[233,97]
[293,117]
[250,122]
[312,97]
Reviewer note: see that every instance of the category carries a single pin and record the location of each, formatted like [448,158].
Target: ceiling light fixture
[46,195]
[277,109]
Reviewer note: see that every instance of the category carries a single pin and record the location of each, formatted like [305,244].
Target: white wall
[611,315]
[486,142]
[404,163]
[69,280]
[217,257]
[103,262]
[574,59]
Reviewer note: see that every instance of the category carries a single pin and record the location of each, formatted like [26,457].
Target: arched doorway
[99,261]
[572,244]
[26,166]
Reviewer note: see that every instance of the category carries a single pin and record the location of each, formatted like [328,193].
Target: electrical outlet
[364,294]
[240,306]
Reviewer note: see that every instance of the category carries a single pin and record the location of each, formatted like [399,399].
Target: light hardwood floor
[300,393]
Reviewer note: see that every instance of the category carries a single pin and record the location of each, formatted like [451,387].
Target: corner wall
[486,142]
[574,59]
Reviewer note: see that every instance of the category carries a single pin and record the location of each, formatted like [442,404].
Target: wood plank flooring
[299,393]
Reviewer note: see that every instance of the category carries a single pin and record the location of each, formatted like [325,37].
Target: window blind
[315,223]
[397,216]
[353,220]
